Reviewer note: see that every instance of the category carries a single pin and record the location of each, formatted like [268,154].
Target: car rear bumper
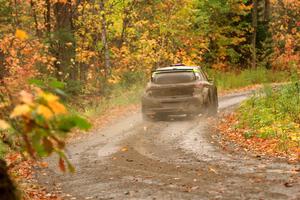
[175,105]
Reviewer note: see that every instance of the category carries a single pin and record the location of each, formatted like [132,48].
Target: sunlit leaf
[57,107]
[22,35]
[20,110]
[44,111]
[4,125]
[49,97]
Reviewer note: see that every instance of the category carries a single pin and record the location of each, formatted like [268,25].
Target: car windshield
[174,77]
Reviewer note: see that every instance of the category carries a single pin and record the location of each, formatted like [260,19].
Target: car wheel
[191,116]
[160,117]
[212,107]
[146,117]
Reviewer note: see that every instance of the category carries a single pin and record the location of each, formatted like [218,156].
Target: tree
[254,32]
[227,29]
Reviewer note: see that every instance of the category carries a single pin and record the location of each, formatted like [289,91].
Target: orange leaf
[61,164]
[57,107]
[124,149]
[44,111]
[22,35]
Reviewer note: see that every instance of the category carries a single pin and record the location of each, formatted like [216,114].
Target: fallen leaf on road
[43,164]
[124,149]
[288,185]
[213,170]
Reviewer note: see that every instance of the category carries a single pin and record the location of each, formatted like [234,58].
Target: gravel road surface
[175,159]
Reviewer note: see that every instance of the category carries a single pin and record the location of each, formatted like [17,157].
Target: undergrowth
[239,79]
[273,114]
[119,96]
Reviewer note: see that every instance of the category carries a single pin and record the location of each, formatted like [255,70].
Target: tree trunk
[104,39]
[7,188]
[64,47]
[16,17]
[37,31]
[48,16]
[254,34]
[267,11]
[3,70]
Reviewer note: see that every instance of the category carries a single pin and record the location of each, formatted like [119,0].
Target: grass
[120,96]
[239,79]
[273,114]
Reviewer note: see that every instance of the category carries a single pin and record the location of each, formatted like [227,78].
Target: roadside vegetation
[269,122]
[274,114]
[248,77]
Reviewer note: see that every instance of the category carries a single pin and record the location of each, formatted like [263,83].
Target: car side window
[199,76]
[204,75]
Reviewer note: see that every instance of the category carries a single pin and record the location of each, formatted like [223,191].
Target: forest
[59,56]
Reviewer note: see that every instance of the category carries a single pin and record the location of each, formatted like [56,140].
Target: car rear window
[174,77]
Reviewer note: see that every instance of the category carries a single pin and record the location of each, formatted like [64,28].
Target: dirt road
[177,159]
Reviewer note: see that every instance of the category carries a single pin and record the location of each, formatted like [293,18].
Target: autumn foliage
[91,46]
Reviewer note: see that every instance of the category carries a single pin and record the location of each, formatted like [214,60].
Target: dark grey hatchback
[178,90]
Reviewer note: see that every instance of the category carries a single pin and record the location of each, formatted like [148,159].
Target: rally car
[179,90]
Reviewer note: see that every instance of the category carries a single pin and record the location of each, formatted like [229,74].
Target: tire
[212,107]
[146,117]
[160,117]
[191,116]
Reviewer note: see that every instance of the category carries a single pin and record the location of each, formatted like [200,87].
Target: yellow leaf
[4,125]
[57,107]
[20,110]
[48,97]
[22,35]
[44,111]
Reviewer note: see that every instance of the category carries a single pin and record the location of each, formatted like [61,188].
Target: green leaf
[37,145]
[36,82]
[81,123]
[60,92]
[66,123]
[56,84]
